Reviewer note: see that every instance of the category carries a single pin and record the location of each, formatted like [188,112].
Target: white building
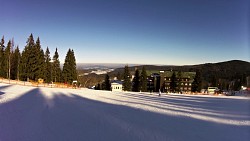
[116,86]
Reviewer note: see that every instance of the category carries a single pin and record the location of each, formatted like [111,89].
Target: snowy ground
[57,114]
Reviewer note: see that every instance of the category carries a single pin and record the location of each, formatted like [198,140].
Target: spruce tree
[69,72]
[66,68]
[15,61]
[143,80]
[136,81]
[27,60]
[196,84]
[73,65]
[56,70]
[179,78]
[7,57]
[2,58]
[126,79]
[31,58]
[47,67]
[173,84]
[106,84]
[40,60]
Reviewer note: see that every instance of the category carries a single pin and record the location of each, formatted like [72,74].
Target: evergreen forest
[33,63]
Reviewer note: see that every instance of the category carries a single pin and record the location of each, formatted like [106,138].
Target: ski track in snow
[49,114]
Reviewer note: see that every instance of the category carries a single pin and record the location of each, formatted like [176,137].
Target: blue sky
[173,32]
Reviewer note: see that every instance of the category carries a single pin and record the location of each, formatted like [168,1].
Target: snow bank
[31,113]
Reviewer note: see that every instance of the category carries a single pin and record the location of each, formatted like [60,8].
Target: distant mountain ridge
[101,65]
[226,71]
[229,70]
[232,64]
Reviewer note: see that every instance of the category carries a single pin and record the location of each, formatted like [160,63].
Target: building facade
[162,79]
[116,86]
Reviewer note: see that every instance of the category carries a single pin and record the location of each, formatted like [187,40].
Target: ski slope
[58,114]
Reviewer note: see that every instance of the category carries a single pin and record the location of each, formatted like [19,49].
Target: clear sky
[172,32]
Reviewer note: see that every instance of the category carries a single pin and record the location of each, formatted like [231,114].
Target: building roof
[117,82]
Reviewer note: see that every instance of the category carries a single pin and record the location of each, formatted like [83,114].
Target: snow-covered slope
[57,114]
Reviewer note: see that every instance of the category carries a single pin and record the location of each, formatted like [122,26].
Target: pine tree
[106,84]
[196,84]
[2,58]
[143,80]
[34,60]
[173,84]
[56,70]
[179,78]
[7,57]
[47,67]
[40,61]
[69,72]
[15,60]
[66,68]
[126,79]
[27,60]
[73,65]
[136,81]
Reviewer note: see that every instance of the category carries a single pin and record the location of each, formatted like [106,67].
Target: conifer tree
[173,84]
[126,79]
[7,57]
[2,58]
[56,70]
[69,72]
[27,60]
[143,80]
[179,78]
[106,84]
[15,60]
[40,60]
[196,84]
[47,67]
[136,81]
[73,65]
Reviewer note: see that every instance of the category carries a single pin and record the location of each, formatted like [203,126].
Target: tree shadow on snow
[65,117]
[4,87]
[227,108]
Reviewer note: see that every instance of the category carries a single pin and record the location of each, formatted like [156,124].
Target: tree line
[141,82]
[138,83]
[33,63]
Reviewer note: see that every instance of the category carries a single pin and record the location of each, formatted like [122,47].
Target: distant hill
[226,71]
[229,70]
[228,66]
[101,65]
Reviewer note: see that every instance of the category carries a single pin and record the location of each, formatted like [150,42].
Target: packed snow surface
[59,114]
